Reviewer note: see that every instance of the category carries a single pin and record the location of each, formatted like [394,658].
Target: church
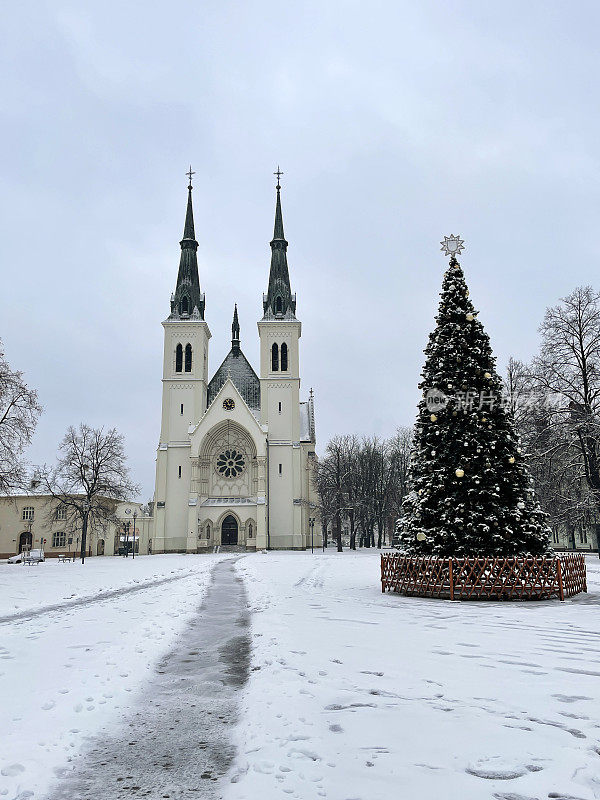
[236,456]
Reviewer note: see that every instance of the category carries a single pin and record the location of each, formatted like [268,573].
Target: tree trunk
[338,533]
[84,535]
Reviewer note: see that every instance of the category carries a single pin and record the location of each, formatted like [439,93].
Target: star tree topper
[452,245]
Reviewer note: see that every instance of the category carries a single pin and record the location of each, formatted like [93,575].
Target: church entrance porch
[229,530]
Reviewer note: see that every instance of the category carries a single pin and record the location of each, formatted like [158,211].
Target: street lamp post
[135,514]
[126,526]
[311,523]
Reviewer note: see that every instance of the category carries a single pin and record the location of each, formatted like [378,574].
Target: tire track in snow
[94,598]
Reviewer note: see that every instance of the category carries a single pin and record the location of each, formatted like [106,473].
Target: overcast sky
[395,123]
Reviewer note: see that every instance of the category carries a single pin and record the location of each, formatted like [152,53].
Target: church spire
[235,332]
[279,303]
[188,300]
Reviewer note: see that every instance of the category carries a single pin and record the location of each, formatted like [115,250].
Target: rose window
[231,463]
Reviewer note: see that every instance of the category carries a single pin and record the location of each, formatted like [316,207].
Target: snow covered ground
[358,695]
[353,695]
[81,641]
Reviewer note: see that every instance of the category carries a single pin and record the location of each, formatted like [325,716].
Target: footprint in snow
[11,770]
[48,706]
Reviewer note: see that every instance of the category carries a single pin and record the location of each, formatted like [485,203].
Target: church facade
[236,455]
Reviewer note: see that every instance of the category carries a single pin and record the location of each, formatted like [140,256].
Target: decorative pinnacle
[189,173]
[452,245]
[279,173]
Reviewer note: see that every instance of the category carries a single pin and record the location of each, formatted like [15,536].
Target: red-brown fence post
[561,593]
[451,579]
[382,578]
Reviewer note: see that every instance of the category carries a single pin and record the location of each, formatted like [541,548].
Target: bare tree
[19,413]
[331,482]
[401,445]
[90,477]
[568,369]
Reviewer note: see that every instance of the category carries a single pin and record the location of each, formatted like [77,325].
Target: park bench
[62,557]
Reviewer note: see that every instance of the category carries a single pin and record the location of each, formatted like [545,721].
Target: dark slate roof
[279,302]
[236,367]
[187,292]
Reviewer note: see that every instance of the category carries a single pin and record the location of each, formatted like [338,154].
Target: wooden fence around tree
[481,578]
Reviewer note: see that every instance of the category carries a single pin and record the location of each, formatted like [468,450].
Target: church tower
[279,333]
[184,393]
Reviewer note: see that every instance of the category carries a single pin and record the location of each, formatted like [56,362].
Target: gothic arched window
[279,306]
[188,358]
[178,358]
[275,357]
[284,357]
[185,306]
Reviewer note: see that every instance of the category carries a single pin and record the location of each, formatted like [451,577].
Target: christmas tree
[470,492]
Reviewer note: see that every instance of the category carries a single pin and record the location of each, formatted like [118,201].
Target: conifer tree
[470,490]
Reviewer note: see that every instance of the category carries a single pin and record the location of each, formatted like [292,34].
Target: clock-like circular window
[231,463]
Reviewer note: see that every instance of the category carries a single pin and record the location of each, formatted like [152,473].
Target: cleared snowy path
[176,742]
[71,672]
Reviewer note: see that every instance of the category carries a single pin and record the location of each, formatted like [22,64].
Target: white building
[236,452]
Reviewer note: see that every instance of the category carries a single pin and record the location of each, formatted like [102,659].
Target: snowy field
[83,641]
[352,695]
[358,695]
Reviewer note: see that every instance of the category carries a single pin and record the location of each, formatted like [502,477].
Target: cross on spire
[279,173]
[189,173]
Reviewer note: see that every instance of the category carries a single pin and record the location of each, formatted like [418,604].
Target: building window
[250,530]
[281,469]
[188,358]
[280,408]
[178,358]
[61,513]
[59,539]
[28,512]
[231,463]
[208,531]
[185,306]
[182,409]
[180,472]
[275,357]
[279,306]
[284,357]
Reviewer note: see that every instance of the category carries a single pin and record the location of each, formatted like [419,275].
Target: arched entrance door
[229,530]
[100,547]
[25,541]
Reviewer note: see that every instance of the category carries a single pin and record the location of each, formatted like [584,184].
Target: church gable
[236,367]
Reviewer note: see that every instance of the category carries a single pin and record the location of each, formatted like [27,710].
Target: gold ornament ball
[460,473]
[470,317]
[487,375]
[421,537]
[433,418]
[511,460]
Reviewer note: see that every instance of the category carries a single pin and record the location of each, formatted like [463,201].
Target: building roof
[237,367]
[279,303]
[188,301]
